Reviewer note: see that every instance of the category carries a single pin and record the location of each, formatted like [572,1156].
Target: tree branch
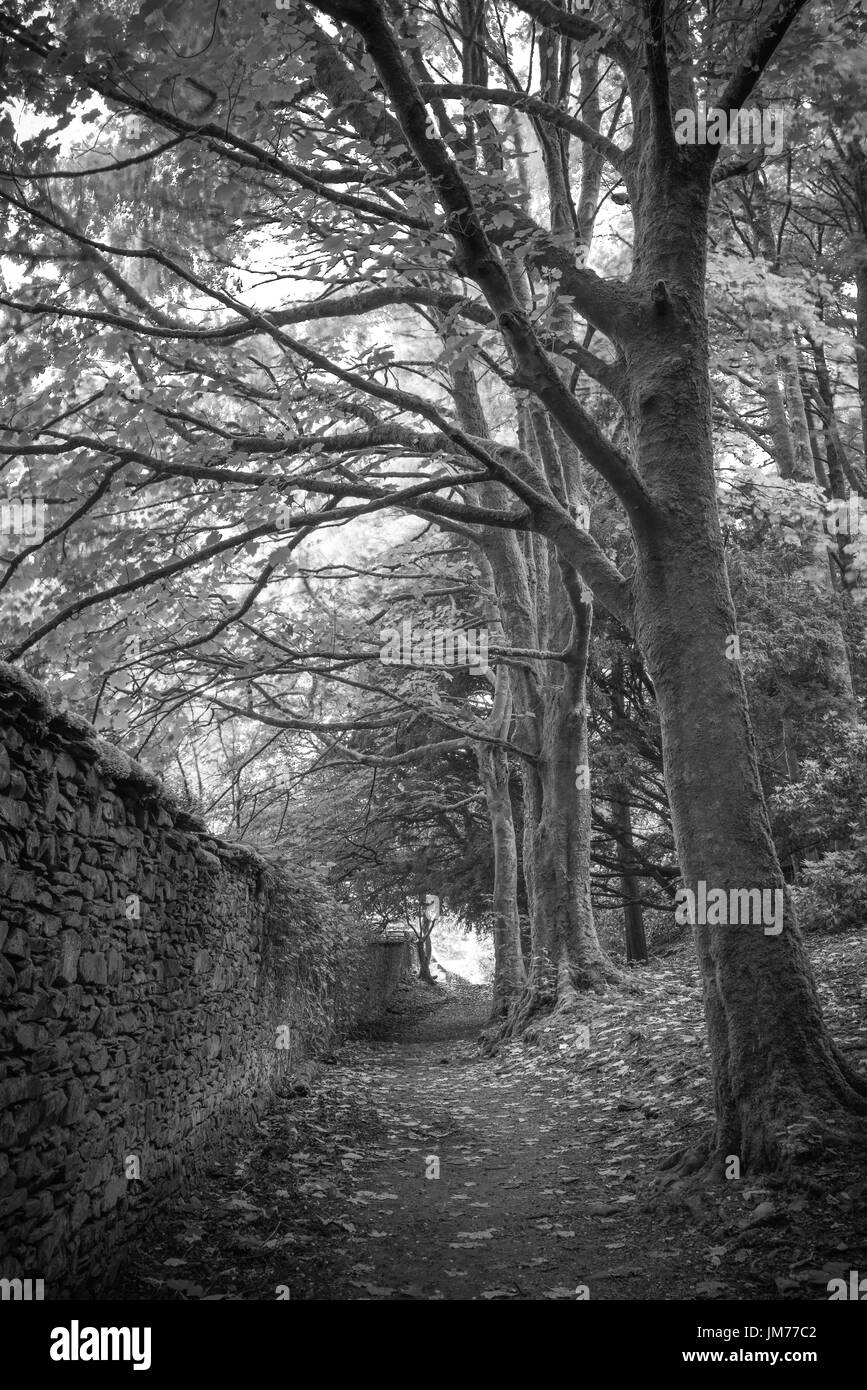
[533,106]
[573,27]
[760,53]
[477,260]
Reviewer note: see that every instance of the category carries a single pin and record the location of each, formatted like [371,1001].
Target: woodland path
[545,1160]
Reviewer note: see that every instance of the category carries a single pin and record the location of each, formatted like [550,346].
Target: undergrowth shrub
[317,955]
[832,896]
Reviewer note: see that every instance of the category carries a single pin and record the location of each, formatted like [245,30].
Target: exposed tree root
[538,1003]
[782,1159]
[547,997]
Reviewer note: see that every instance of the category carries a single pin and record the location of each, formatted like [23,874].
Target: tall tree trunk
[773,1061]
[539,607]
[861,336]
[509,974]
[566,955]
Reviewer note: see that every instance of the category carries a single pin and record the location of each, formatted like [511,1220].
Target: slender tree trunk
[630,886]
[834,452]
[841,468]
[493,763]
[424,950]
[794,459]
[784,448]
[509,972]
[861,337]
[805,468]
[816,431]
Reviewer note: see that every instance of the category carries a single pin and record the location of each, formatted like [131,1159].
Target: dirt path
[544,1157]
[472,1192]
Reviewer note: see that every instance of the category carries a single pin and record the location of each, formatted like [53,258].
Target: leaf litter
[329,1197]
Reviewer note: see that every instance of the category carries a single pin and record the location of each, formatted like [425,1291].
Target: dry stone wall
[151,999]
